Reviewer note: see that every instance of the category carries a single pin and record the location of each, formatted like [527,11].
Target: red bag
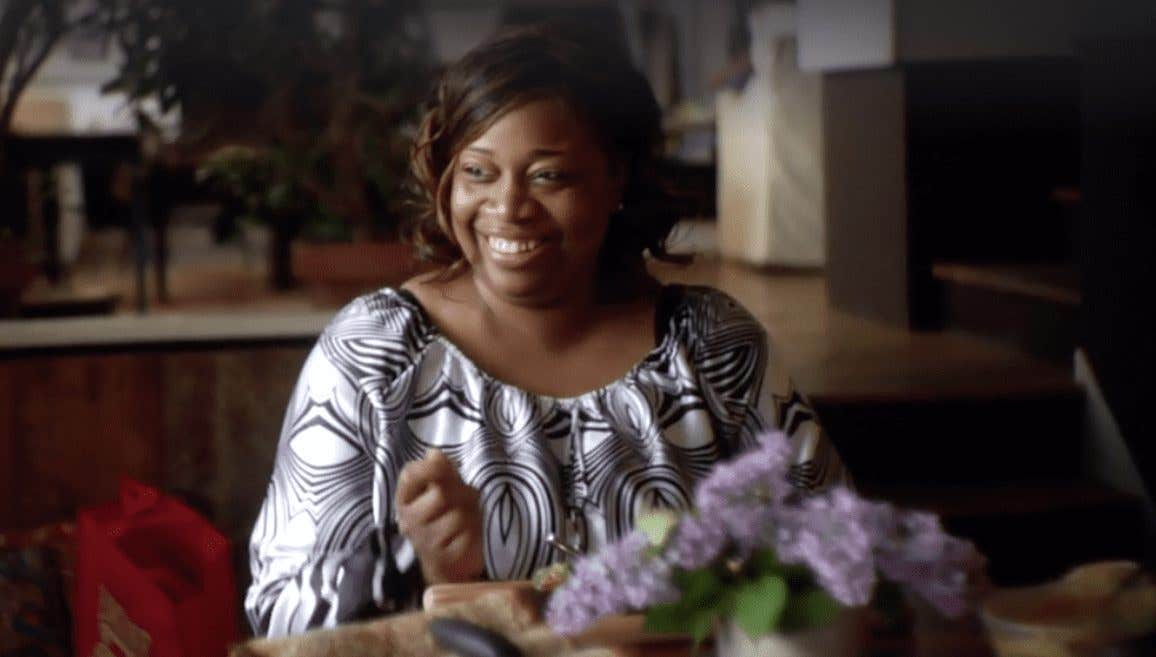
[152,578]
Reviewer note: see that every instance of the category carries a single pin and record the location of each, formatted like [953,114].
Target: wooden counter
[130,332]
[191,403]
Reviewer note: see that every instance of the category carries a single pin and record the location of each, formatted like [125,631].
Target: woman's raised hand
[441,515]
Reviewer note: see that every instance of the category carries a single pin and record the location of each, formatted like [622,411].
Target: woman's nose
[509,202]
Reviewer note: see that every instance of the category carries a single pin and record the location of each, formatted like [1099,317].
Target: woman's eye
[549,175]
[474,171]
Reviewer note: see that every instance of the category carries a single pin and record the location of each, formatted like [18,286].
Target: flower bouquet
[762,555]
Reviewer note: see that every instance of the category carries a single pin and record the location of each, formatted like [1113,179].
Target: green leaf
[705,599]
[666,619]
[699,586]
[807,609]
[725,604]
[759,604]
[278,196]
[763,562]
[679,618]
[701,624]
[657,525]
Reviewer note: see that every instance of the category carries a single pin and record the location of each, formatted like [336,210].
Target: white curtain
[770,185]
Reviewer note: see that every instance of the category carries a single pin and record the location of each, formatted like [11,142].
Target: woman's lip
[513,257]
[515,238]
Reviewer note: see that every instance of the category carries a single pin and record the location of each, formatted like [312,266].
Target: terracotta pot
[335,272]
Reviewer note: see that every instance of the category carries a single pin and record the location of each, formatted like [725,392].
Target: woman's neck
[550,325]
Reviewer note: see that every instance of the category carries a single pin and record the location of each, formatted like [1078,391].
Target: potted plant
[767,569]
[296,110]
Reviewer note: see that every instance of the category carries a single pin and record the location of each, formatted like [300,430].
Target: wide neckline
[668,300]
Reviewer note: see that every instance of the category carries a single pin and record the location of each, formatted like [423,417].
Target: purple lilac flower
[749,525]
[697,541]
[922,557]
[747,504]
[760,473]
[621,577]
[829,536]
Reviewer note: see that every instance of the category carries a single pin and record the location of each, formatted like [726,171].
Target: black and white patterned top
[382,385]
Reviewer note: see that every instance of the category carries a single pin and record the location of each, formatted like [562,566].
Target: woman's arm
[750,390]
[317,554]
[778,404]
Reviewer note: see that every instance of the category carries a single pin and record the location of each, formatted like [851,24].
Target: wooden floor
[836,356]
[832,355]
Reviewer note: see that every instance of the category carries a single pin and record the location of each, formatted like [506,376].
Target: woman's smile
[510,247]
[514,252]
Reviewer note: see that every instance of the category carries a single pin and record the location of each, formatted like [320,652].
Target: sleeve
[319,555]
[776,404]
[750,391]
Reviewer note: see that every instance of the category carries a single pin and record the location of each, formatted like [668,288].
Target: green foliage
[657,526]
[759,604]
[811,608]
[702,603]
[761,595]
[321,92]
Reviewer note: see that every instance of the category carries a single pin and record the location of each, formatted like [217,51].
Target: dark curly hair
[589,71]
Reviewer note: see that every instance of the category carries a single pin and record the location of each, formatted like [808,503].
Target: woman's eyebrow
[537,152]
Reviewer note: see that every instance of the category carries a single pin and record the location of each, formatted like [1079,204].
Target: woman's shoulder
[379,333]
[726,345]
[705,310]
[384,312]
[374,339]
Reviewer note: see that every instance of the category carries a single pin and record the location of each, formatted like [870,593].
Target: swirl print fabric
[382,386]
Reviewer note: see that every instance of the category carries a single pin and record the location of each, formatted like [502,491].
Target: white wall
[855,34]
[65,97]
[845,34]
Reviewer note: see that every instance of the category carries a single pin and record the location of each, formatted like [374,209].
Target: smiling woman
[540,387]
[602,104]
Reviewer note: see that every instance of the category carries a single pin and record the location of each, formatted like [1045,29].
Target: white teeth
[502,245]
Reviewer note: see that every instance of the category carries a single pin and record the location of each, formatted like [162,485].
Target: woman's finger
[426,507]
[417,475]
[410,484]
[445,528]
[458,546]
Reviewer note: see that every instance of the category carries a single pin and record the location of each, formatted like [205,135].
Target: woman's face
[530,201]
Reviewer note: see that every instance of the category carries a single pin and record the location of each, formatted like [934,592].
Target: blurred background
[942,210]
